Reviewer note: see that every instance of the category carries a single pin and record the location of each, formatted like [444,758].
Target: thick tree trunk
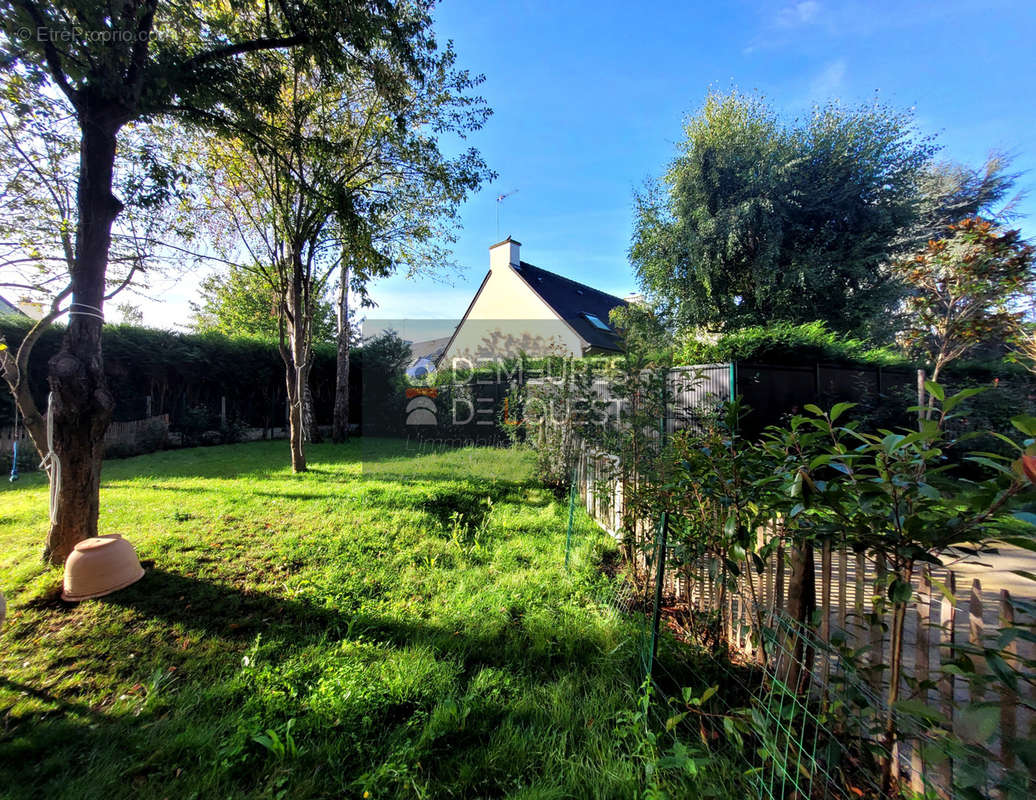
[340,428]
[82,405]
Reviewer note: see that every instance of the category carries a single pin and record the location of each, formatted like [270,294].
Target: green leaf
[942,589]
[988,462]
[935,390]
[1003,670]
[900,591]
[1026,423]
[978,723]
[960,397]
[839,409]
[929,491]
[916,708]
[813,409]
[1020,541]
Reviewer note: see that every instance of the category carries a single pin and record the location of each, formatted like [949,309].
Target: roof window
[596,322]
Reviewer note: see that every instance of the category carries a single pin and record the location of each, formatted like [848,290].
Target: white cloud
[802,13]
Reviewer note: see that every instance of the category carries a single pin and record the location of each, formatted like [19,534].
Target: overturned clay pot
[100,566]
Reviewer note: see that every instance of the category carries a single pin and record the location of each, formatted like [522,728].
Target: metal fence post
[571,513]
[660,550]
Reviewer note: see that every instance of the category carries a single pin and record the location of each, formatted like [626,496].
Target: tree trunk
[296,425]
[82,406]
[890,769]
[340,429]
[802,602]
[296,365]
[312,432]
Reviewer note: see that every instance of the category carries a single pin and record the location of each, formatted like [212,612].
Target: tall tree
[372,168]
[396,192]
[139,59]
[268,191]
[758,219]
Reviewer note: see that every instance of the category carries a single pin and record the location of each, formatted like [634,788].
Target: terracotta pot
[100,566]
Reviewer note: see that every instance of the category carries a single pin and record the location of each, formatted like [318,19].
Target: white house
[522,308]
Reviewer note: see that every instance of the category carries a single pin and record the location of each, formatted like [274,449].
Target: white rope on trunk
[91,311]
[51,463]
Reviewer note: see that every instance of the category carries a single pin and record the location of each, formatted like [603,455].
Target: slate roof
[10,309]
[572,301]
[431,349]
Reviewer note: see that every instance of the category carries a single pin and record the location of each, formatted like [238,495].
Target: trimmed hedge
[186,374]
[784,342]
[787,343]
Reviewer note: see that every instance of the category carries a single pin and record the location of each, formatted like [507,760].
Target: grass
[387,625]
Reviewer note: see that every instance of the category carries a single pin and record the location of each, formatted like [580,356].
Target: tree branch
[231,50]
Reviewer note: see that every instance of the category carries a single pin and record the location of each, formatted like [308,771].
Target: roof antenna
[499,200]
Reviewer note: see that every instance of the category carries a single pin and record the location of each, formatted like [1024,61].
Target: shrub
[784,342]
[183,371]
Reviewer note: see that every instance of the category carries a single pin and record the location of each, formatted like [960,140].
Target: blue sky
[589,98]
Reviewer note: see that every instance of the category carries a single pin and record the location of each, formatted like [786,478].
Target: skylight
[596,322]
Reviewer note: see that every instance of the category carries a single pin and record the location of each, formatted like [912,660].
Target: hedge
[788,343]
[186,374]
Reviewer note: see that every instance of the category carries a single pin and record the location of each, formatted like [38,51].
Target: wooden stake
[948,624]
[877,632]
[921,662]
[843,573]
[1008,697]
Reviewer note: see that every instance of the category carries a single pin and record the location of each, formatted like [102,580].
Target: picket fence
[938,622]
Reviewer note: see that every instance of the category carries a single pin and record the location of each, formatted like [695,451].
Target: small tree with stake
[891,494]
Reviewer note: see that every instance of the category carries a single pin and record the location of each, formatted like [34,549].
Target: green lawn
[335,634]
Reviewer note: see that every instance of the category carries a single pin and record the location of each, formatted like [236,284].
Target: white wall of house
[509,317]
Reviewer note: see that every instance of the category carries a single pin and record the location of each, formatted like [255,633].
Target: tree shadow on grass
[203,627]
[295,495]
[239,615]
[64,705]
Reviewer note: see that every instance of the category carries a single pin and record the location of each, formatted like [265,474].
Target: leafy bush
[784,342]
